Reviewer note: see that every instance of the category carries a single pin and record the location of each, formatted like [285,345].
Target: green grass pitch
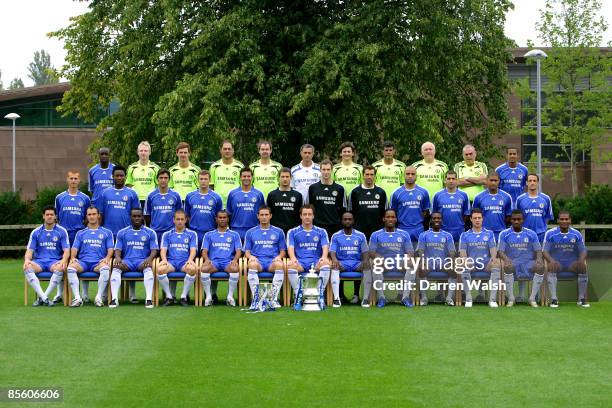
[423,357]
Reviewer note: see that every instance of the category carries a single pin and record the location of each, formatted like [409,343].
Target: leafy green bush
[14,210]
[594,207]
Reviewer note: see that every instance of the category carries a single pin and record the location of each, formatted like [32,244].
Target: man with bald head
[430,172]
[412,205]
[471,174]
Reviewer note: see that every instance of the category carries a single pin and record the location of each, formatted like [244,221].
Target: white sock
[583,284]
[102,281]
[277,281]
[409,277]
[509,281]
[495,280]
[324,278]
[466,277]
[165,285]
[188,283]
[253,280]
[535,286]
[366,284]
[452,282]
[73,280]
[34,283]
[115,282]
[294,280]
[233,283]
[205,280]
[149,282]
[60,290]
[85,289]
[132,288]
[335,281]
[56,279]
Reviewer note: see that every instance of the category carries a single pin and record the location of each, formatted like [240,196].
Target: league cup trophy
[265,297]
[309,296]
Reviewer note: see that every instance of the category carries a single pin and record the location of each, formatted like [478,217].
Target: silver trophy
[312,296]
[265,296]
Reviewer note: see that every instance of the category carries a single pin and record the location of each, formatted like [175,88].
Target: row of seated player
[143,243]
[375,287]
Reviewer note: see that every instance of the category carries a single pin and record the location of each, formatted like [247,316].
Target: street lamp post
[538,55]
[13,117]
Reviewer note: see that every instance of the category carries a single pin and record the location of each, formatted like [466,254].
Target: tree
[290,71]
[576,87]
[16,84]
[41,71]
[1,84]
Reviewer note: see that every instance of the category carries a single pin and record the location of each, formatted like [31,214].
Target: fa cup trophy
[310,295]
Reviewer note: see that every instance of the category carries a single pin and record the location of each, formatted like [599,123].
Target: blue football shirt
[179,244]
[202,210]
[409,205]
[520,246]
[221,246]
[71,210]
[243,206]
[307,244]
[537,211]
[349,247]
[116,207]
[495,208]
[453,207]
[99,180]
[436,245]
[48,245]
[136,244]
[512,180]
[478,245]
[388,244]
[161,208]
[92,245]
[564,248]
[265,243]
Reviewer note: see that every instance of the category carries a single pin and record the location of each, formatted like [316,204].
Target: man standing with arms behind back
[225,172]
[306,172]
[100,176]
[430,172]
[512,175]
[265,170]
[71,206]
[389,171]
[471,174]
[184,174]
[141,175]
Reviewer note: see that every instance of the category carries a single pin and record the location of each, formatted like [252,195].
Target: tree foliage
[577,88]
[290,71]
[40,69]
[16,83]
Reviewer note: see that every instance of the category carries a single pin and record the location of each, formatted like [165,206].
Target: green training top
[184,180]
[389,176]
[225,177]
[431,176]
[348,177]
[476,170]
[265,177]
[142,179]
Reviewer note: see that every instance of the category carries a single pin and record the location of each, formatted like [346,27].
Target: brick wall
[43,156]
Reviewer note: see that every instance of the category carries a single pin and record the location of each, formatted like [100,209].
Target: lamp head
[12,116]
